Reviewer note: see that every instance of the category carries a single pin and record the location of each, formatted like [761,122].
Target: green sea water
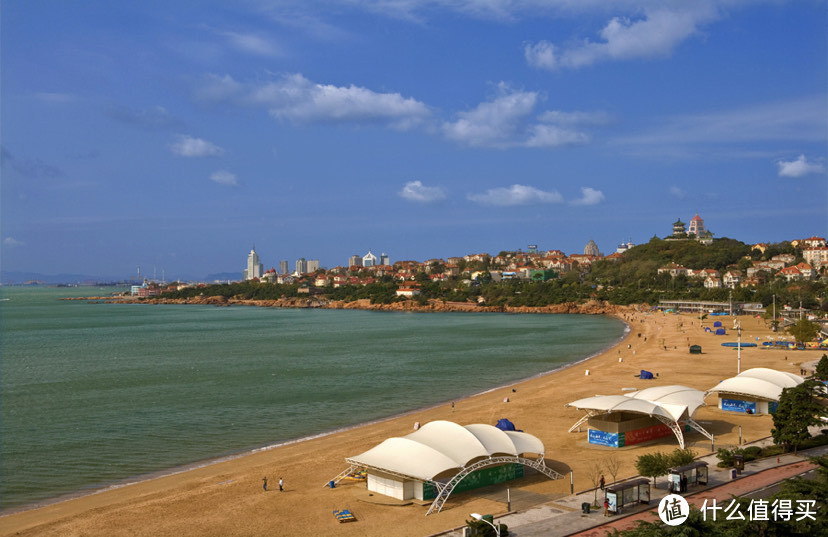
[93,395]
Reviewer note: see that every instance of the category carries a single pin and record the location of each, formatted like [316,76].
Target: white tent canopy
[668,404]
[440,446]
[759,383]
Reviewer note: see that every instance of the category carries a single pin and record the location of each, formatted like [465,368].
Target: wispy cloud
[155,117]
[297,99]
[12,242]
[416,191]
[795,120]
[188,146]
[516,195]
[29,168]
[223,177]
[589,196]
[799,167]
[252,44]
[677,192]
[656,34]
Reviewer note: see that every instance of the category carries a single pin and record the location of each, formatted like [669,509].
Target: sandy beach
[226,498]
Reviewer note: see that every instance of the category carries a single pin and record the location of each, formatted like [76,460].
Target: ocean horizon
[99,395]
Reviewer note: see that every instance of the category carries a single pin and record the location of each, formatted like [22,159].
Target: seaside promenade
[564,518]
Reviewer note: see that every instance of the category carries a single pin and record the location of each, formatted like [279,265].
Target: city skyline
[166,135]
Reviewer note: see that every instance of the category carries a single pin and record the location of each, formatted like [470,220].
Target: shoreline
[219,459]
[226,498]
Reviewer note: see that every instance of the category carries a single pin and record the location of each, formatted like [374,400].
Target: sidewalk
[563,517]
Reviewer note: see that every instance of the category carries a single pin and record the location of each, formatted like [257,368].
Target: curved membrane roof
[760,382]
[440,446]
[674,395]
[622,403]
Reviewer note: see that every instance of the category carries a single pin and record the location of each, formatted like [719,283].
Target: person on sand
[264,483]
[281,485]
[602,482]
[606,507]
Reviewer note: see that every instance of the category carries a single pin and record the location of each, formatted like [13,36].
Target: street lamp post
[739,347]
[478,516]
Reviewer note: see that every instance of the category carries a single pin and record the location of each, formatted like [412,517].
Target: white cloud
[416,191]
[589,196]
[495,123]
[516,195]
[223,177]
[655,35]
[552,136]
[12,242]
[509,120]
[799,167]
[295,98]
[187,146]
[677,192]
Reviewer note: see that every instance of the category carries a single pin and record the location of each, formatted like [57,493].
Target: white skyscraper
[384,259]
[254,268]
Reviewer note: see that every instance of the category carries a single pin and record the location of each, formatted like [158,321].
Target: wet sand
[226,498]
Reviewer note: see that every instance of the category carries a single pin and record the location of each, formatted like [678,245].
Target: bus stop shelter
[682,477]
[627,493]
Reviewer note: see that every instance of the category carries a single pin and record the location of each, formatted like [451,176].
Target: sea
[95,395]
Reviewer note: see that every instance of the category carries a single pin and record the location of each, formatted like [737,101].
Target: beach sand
[226,498]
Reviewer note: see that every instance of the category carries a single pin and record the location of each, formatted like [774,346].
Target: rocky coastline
[592,307]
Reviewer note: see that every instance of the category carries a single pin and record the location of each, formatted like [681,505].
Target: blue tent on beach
[717,323]
[720,331]
[646,375]
[505,425]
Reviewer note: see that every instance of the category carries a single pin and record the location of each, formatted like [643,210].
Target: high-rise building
[369,259]
[301,266]
[283,267]
[254,269]
[355,261]
[313,265]
[384,259]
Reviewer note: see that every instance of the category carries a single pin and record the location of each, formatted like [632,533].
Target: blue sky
[177,135]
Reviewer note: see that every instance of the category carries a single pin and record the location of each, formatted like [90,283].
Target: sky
[176,136]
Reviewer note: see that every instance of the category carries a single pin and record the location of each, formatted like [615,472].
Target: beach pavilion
[442,457]
[633,418]
[754,391]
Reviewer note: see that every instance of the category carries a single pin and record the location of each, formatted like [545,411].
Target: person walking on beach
[606,507]
[264,483]
[281,484]
[602,482]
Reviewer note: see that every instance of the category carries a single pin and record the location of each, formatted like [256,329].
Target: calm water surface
[93,394]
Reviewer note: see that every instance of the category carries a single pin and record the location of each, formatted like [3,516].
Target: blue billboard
[734,405]
[602,438]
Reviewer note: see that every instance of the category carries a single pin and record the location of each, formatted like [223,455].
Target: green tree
[653,465]
[804,330]
[680,457]
[821,372]
[799,408]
